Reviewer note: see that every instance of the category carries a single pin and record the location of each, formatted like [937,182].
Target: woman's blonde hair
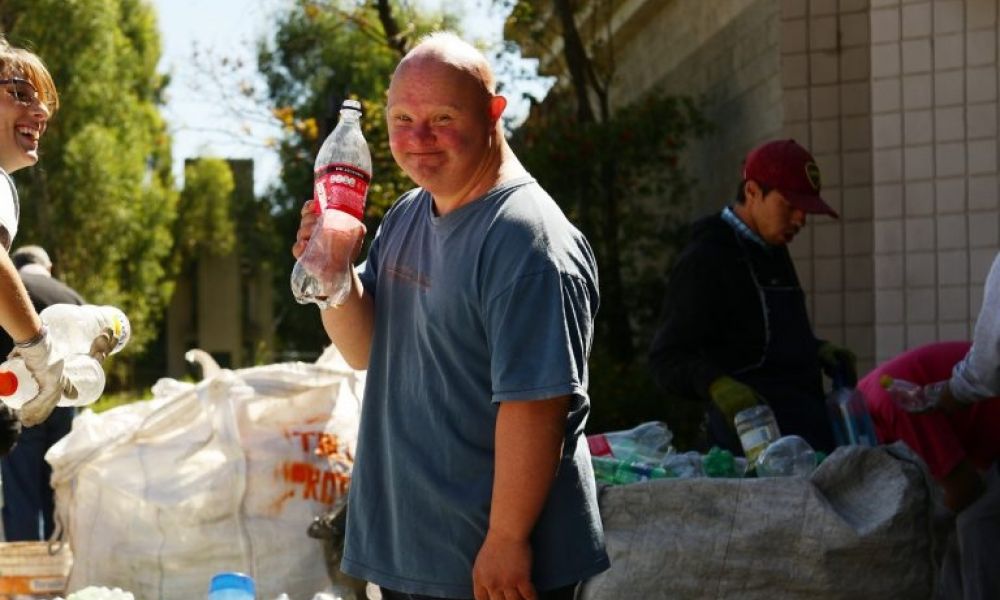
[27,64]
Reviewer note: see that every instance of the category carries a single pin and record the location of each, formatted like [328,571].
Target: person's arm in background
[351,325]
[977,376]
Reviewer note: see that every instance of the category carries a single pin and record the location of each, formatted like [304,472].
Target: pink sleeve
[931,435]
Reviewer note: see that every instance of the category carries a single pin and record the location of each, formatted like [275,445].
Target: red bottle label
[342,187]
[599,445]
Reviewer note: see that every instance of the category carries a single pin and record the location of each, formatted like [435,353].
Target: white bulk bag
[226,475]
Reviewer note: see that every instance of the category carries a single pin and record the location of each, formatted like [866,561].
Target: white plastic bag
[158,496]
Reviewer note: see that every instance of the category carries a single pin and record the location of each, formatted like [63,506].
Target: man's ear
[497,106]
[751,189]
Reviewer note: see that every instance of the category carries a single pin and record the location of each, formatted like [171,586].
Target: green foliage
[323,53]
[204,222]
[622,182]
[101,200]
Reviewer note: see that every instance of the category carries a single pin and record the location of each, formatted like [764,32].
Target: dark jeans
[969,569]
[27,496]
[564,593]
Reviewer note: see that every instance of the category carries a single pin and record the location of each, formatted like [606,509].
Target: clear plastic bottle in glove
[81,336]
[74,328]
[323,274]
[18,386]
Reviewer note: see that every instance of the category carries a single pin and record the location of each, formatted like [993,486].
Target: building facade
[897,99]
[221,304]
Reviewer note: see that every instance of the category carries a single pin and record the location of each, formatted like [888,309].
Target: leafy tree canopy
[617,172]
[101,200]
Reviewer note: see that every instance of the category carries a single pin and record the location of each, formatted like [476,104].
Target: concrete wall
[897,99]
[934,133]
[726,52]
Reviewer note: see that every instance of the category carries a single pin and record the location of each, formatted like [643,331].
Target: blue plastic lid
[229,580]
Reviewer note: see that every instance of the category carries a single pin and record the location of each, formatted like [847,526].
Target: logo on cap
[812,174]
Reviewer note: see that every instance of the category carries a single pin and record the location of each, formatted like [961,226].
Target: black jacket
[735,308]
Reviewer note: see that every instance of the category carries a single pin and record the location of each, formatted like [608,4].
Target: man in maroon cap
[735,331]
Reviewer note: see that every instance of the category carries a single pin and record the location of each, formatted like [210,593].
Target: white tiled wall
[913,167]
[830,80]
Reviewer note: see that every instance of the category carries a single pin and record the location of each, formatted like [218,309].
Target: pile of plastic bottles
[644,452]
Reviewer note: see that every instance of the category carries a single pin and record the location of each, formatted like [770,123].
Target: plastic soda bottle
[849,417]
[343,170]
[647,442]
[229,585]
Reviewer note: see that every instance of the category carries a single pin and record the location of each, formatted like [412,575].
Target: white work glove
[48,372]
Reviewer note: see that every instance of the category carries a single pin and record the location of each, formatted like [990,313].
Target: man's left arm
[529,442]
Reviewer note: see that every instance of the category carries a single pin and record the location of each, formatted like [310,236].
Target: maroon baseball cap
[785,166]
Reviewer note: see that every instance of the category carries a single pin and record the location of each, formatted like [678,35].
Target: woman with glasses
[27,100]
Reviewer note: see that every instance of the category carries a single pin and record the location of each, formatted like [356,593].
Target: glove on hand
[731,397]
[10,429]
[837,360]
[48,372]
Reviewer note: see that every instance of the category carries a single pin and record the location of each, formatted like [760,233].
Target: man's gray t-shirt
[491,302]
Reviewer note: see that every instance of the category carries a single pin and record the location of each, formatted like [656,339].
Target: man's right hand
[731,397]
[311,214]
[48,372]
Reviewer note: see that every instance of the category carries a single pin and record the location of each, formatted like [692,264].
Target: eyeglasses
[22,91]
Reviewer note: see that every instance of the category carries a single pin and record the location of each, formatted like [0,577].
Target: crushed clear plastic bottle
[788,456]
[913,397]
[343,169]
[647,442]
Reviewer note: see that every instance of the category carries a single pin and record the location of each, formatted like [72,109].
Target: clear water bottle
[757,428]
[83,336]
[323,274]
[849,417]
[74,328]
[230,585]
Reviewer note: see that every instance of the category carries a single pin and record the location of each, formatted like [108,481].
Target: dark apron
[789,377]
